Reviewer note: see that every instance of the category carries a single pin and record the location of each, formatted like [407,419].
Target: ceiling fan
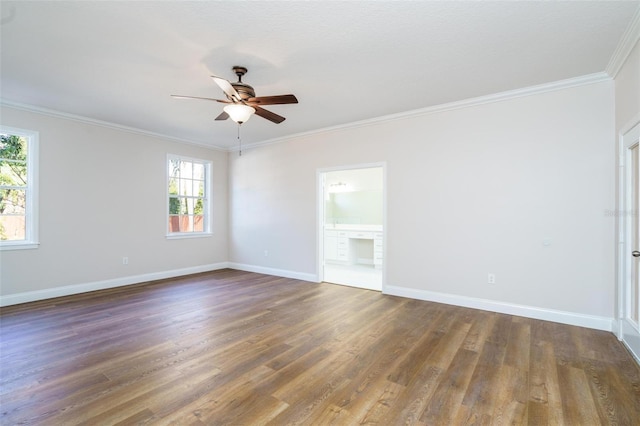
[242,101]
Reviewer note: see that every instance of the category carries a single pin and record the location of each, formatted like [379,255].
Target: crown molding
[101,123]
[467,103]
[629,39]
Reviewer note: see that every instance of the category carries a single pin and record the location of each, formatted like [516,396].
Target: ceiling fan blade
[223,116]
[271,116]
[273,100]
[198,97]
[227,87]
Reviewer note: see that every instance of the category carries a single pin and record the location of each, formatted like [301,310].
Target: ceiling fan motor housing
[244,90]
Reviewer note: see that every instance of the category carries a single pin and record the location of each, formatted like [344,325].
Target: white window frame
[207,204]
[31,214]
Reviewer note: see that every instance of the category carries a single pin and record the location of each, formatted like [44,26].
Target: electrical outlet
[491,278]
[125,260]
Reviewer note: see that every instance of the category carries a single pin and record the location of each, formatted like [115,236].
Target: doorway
[629,255]
[351,212]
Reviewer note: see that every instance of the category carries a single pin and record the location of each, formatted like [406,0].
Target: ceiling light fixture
[239,113]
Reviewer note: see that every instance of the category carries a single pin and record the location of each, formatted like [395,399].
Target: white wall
[102,197]
[470,191]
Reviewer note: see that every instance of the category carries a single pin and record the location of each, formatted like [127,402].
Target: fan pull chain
[239,141]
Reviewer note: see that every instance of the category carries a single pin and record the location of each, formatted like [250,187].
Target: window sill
[18,246]
[189,235]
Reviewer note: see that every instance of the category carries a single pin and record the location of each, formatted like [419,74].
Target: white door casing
[322,192]
[629,241]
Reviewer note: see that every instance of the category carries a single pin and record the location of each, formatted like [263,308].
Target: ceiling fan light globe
[239,113]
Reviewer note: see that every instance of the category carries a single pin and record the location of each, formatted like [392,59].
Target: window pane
[13,173]
[186,223]
[13,147]
[12,228]
[189,205]
[174,222]
[198,171]
[183,205]
[186,169]
[13,201]
[185,187]
[173,186]
[198,223]
[174,168]
[174,205]
[198,188]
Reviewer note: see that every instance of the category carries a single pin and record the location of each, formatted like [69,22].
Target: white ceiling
[345,61]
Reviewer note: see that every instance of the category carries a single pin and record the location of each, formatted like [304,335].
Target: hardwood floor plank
[578,405]
[415,358]
[508,407]
[447,398]
[538,414]
[378,410]
[612,394]
[518,347]
[413,399]
[479,331]
[138,418]
[239,348]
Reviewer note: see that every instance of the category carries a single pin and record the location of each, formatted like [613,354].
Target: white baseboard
[634,354]
[272,271]
[32,296]
[630,337]
[570,318]
[581,320]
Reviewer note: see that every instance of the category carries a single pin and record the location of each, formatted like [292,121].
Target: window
[18,189]
[189,182]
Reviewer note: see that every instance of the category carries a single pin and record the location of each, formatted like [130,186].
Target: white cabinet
[330,245]
[377,249]
[345,246]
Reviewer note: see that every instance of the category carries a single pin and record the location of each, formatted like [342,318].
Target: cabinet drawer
[343,234]
[361,235]
[377,235]
[377,244]
[343,255]
[342,243]
[330,233]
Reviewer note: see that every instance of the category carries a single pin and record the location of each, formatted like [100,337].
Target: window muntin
[188,196]
[18,188]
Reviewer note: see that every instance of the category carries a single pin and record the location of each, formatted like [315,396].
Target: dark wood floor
[232,347]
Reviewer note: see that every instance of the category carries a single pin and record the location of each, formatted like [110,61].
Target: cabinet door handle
[635,253]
